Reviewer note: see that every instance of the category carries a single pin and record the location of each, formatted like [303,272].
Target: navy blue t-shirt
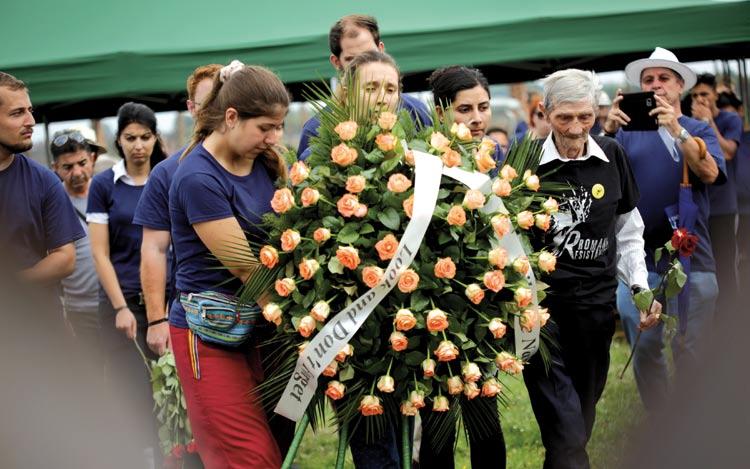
[202,190]
[659,177]
[36,215]
[521,130]
[416,108]
[742,174]
[118,200]
[724,197]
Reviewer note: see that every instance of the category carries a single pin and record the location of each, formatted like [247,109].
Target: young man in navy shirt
[723,220]
[656,158]
[349,37]
[152,213]
[38,226]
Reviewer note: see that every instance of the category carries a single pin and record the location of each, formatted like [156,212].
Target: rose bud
[398,183]
[522,297]
[343,155]
[386,142]
[521,265]
[285,286]
[437,320]
[416,398]
[456,216]
[309,196]
[320,311]
[387,247]
[348,256]
[501,188]
[445,268]
[331,369]
[370,405]
[508,173]
[455,385]
[474,293]
[298,172]
[440,404]
[461,131]
[361,211]
[487,145]
[543,316]
[508,363]
[501,225]
[408,206]
[550,205]
[346,130]
[289,240]
[307,268]
[485,162]
[282,200]
[471,390]
[387,120]
[532,182]
[321,235]
[355,184]
[347,351]
[491,388]
[347,205]
[371,275]
[547,262]
[408,409]
[446,351]
[398,341]
[542,221]
[272,313]
[408,281]
[439,141]
[385,384]
[451,158]
[428,367]
[474,199]
[525,220]
[529,319]
[269,256]
[335,390]
[306,326]
[471,372]
[409,158]
[404,320]
[497,328]
[498,257]
[494,280]
[301,347]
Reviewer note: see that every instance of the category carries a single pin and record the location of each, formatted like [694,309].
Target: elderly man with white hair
[597,237]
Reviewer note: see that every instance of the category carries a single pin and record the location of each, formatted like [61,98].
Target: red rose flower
[684,241]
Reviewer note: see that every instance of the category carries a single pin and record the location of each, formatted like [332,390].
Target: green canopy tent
[83,58]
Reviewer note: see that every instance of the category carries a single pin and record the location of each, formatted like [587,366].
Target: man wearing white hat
[604,106]
[656,158]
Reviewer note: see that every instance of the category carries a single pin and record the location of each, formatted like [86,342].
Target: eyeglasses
[62,139]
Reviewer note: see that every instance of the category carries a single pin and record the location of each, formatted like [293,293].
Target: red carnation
[684,241]
[191,447]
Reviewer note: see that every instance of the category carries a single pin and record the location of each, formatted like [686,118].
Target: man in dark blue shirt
[38,225]
[349,37]
[656,158]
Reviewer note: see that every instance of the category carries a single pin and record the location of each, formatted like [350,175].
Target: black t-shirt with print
[582,233]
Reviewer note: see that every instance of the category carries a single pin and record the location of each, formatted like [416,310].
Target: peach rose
[343,155]
[550,205]
[445,268]
[347,351]
[508,363]
[408,281]
[331,369]
[416,398]
[471,390]
[543,316]
[386,142]
[289,240]
[498,257]
[521,265]
[398,341]
[547,262]
[440,404]
[309,196]
[428,367]
[529,319]
[471,372]
[455,385]
[408,409]
[301,347]
[348,256]
[439,141]
[491,388]
[487,145]
[285,286]
[485,162]
[456,216]
[501,187]
[508,173]
[497,328]
[282,201]
[461,131]
[501,224]
[335,390]
[361,211]
[525,220]
[346,130]
[355,184]
[522,297]
[387,247]
[370,405]
[408,205]
[451,158]
[531,180]
[321,235]
[306,326]
[272,313]
[371,275]
[387,120]
[347,205]
[409,158]
[298,172]
[386,384]
[404,320]
[308,267]
[398,183]
[474,199]
[437,320]
[446,351]
[494,280]
[320,311]
[542,221]
[474,293]
[269,256]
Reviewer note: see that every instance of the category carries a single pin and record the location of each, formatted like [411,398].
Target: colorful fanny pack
[216,317]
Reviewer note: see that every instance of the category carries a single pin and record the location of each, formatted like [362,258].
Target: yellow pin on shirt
[597,191]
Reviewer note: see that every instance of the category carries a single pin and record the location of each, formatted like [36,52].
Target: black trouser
[723,231]
[564,398]
[487,446]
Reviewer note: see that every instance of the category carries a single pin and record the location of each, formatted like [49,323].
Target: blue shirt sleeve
[203,198]
[417,110]
[309,130]
[153,207]
[98,196]
[61,224]
[731,128]
[705,132]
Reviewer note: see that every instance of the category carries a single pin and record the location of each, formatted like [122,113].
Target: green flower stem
[143,356]
[388,372]
[341,452]
[326,201]
[292,453]
[406,441]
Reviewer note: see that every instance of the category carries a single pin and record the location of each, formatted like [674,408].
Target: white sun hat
[659,58]
[604,99]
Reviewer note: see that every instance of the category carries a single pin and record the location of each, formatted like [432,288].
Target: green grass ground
[617,411]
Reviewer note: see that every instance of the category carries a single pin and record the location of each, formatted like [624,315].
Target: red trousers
[229,425]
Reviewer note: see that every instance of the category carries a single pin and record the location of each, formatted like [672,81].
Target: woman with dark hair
[221,189]
[116,248]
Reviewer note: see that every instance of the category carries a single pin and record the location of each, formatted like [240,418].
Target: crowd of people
[128,244]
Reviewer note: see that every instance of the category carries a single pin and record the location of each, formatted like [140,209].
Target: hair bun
[227,71]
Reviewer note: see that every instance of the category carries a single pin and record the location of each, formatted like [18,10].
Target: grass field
[617,411]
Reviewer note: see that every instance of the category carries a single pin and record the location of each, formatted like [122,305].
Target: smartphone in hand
[637,106]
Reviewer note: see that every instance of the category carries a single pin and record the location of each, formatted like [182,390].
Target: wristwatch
[683,136]
[635,289]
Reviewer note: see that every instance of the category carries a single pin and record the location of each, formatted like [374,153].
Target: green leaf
[418,301]
[335,266]
[389,165]
[657,255]
[643,299]
[375,156]
[390,218]
[348,234]
[332,223]
[414,358]
[346,373]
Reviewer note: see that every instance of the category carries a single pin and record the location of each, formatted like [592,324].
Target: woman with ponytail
[222,188]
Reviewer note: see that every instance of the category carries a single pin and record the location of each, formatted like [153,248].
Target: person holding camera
[656,157]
